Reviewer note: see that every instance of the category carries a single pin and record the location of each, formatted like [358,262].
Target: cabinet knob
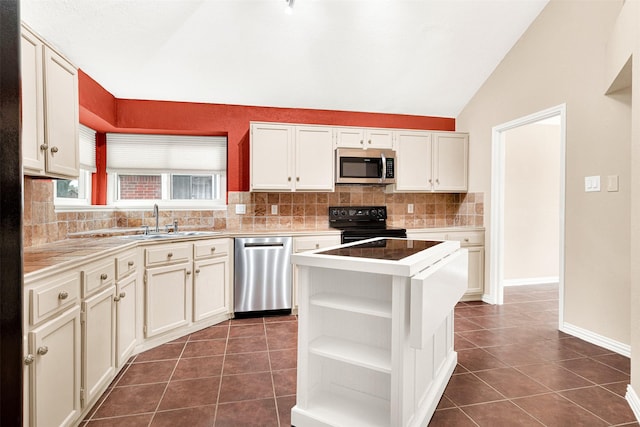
[170,254]
[54,149]
[437,181]
[317,245]
[188,272]
[130,263]
[213,249]
[119,296]
[63,295]
[430,181]
[361,142]
[289,179]
[42,350]
[297,179]
[103,276]
[44,147]
[197,271]
[466,239]
[369,142]
[28,360]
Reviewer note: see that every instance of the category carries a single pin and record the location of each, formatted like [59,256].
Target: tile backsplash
[295,211]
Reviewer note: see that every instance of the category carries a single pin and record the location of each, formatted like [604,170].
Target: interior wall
[532,203]
[102,112]
[560,60]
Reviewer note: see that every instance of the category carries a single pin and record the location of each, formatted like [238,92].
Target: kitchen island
[375,338]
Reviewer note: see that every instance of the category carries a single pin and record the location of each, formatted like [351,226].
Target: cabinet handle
[437,181]
[44,147]
[188,272]
[28,360]
[369,142]
[430,181]
[197,271]
[119,296]
[63,295]
[170,254]
[42,350]
[466,239]
[289,179]
[130,263]
[297,179]
[213,249]
[103,276]
[361,142]
[54,149]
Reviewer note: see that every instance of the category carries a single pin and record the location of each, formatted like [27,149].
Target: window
[77,192]
[187,171]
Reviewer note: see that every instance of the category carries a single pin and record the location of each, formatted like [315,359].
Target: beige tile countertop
[100,242]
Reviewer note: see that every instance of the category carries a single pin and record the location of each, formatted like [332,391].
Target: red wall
[103,112]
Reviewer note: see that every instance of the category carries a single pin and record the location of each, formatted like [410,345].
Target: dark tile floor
[514,369]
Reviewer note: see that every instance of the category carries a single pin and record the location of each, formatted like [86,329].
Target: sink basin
[153,236]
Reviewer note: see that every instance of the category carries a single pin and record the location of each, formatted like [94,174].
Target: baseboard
[634,401]
[593,338]
[531,281]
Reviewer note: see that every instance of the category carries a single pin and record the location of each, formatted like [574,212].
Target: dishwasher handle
[263,245]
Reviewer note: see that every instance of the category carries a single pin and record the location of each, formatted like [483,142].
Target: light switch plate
[241,209]
[274,209]
[410,208]
[591,183]
[612,183]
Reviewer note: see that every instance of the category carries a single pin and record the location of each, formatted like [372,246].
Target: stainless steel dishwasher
[262,275]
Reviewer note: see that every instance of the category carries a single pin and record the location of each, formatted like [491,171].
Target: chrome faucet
[156,214]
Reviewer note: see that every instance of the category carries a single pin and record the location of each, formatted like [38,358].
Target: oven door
[351,235]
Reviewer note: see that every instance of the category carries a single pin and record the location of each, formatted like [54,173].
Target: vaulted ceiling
[422,57]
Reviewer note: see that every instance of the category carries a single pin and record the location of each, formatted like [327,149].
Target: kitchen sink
[154,236]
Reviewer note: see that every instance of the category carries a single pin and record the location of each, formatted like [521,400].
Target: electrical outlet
[241,209]
[410,208]
[274,209]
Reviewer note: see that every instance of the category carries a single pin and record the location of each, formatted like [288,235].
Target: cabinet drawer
[467,238]
[97,275]
[54,296]
[302,244]
[125,264]
[210,248]
[164,254]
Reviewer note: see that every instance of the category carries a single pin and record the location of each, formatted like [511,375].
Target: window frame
[84,188]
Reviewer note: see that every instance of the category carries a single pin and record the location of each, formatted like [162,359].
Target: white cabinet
[49,110]
[54,371]
[126,303]
[98,343]
[351,137]
[291,158]
[309,243]
[473,241]
[211,281]
[431,161]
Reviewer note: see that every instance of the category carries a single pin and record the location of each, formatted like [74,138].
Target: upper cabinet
[431,161]
[348,137]
[49,110]
[291,158]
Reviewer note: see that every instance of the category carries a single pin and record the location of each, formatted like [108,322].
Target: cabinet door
[378,138]
[414,161]
[314,158]
[32,103]
[476,271]
[271,157]
[450,164]
[350,137]
[126,319]
[211,288]
[61,111]
[168,298]
[55,372]
[98,343]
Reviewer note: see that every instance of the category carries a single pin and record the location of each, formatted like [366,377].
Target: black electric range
[363,222]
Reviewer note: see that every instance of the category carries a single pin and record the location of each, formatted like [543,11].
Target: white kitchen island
[375,338]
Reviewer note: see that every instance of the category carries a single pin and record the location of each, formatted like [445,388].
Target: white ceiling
[423,57]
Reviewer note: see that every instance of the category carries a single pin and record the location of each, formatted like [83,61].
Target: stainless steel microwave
[358,166]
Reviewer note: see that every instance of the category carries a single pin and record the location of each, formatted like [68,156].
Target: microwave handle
[384,167]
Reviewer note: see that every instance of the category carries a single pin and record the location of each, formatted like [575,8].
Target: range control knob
[343,212]
[381,212]
[373,213]
[334,212]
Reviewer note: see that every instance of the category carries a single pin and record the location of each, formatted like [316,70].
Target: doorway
[527,208]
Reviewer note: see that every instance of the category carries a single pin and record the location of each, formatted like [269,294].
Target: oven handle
[384,167]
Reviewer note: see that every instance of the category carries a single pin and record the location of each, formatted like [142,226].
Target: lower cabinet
[210,288]
[167,298]
[54,371]
[126,319]
[98,343]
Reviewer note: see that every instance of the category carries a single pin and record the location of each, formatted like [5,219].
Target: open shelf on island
[353,304]
[338,409]
[366,356]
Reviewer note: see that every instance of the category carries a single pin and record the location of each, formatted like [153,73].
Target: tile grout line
[224,358]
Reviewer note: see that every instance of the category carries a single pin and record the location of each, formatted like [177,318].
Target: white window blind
[87,148]
[161,153]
